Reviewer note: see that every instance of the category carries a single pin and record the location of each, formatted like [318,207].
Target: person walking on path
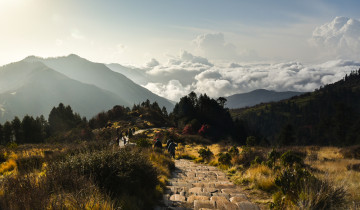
[158,144]
[171,149]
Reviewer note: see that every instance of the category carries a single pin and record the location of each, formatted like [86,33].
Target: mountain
[138,76]
[100,75]
[34,85]
[328,116]
[256,97]
[37,88]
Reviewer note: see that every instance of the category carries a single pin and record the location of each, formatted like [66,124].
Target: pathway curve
[196,186]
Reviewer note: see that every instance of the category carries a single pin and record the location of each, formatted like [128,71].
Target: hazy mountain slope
[256,97]
[136,75]
[98,74]
[45,88]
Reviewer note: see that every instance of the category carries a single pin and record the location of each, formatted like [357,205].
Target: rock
[198,204]
[247,205]
[191,198]
[178,197]
[238,198]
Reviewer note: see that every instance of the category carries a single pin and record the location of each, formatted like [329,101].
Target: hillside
[256,97]
[328,116]
[138,76]
[38,88]
[98,74]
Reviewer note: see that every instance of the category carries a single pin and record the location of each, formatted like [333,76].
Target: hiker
[171,149]
[118,136]
[158,144]
[168,143]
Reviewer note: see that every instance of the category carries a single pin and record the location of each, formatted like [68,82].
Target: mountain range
[34,85]
[256,97]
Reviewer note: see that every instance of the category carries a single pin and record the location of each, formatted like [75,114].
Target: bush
[320,194]
[291,158]
[234,151]
[116,173]
[29,164]
[272,157]
[247,156]
[143,143]
[205,154]
[224,158]
[23,193]
[351,152]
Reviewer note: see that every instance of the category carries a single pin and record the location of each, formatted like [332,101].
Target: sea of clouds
[339,38]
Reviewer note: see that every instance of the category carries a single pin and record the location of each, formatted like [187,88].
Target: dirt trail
[196,186]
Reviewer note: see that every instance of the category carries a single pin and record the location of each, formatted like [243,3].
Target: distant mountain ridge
[34,85]
[256,97]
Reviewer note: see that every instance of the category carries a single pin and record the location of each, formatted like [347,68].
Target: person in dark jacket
[158,144]
[171,149]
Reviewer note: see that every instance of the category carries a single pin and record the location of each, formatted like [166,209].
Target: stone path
[196,186]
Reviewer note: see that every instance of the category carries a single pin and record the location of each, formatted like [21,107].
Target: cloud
[219,81]
[213,46]
[152,63]
[172,90]
[182,68]
[341,36]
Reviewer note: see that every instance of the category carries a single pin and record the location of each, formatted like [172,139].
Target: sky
[223,33]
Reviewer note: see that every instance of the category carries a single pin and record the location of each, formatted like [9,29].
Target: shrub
[320,194]
[247,156]
[224,158]
[188,129]
[143,143]
[234,151]
[291,158]
[272,157]
[23,193]
[290,180]
[354,167]
[351,152]
[116,172]
[29,164]
[205,154]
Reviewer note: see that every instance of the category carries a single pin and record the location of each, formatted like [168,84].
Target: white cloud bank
[219,81]
[340,37]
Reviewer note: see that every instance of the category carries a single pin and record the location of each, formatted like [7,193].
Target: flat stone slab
[247,205]
[198,204]
[238,198]
[178,197]
[192,198]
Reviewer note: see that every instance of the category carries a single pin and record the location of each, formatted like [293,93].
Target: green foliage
[116,173]
[290,180]
[233,151]
[247,156]
[29,164]
[273,156]
[291,158]
[205,153]
[305,191]
[328,116]
[225,158]
[203,110]
[143,143]
[12,145]
[62,119]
